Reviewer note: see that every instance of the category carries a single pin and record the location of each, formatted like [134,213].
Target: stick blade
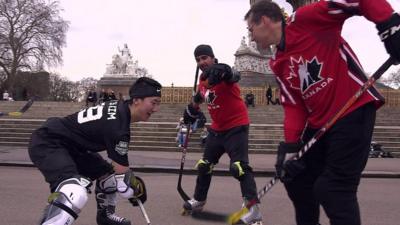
[210,216]
[235,217]
[14,113]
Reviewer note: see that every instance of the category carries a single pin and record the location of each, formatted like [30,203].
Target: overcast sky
[162,35]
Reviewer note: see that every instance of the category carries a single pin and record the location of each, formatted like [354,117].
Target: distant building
[28,84]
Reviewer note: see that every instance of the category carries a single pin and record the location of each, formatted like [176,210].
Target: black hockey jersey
[95,129]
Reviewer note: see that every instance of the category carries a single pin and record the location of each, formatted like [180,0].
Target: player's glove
[128,186]
[190,114]
[286,167]
[198,98]
[217,73]
[236,76]
[139,191]
[389,32]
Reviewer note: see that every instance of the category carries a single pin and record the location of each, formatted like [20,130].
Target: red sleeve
[294,122]
[374,10]
[294,110]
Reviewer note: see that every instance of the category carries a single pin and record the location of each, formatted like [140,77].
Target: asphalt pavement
[23,194]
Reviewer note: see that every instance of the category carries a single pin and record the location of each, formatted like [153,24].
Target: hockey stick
[24,108]
[235,217]
[143,210]
[195,80]
[181,192]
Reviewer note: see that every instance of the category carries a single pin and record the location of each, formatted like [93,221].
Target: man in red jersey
[228,133]
[318,73]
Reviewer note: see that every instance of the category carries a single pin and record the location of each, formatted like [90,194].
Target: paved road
[23,194]
[169,162]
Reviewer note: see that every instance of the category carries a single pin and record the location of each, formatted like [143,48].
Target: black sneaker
[107,216]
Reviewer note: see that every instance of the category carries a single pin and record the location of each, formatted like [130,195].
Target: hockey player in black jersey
[66,150]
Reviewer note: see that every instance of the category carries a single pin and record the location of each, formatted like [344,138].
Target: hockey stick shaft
[382,69]
[181,192]
[184,196]
[143,210]
[196,77]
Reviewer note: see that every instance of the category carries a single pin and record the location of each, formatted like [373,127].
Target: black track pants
[235,143]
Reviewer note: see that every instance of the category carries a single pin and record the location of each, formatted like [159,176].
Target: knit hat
[145,87]
[203,50]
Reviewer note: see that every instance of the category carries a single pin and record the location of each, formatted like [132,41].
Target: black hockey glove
[190,114]
[217,73]
[236,76]
[198,98]
[286,167]
[389,32]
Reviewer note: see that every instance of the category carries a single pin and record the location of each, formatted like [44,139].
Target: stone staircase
[158,134]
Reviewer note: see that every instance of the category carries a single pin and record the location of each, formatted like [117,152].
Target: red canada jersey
[225,105]
[315,67]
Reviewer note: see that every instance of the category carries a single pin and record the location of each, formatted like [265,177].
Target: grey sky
[163,34]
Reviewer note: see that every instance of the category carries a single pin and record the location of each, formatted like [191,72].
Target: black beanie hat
[203,50]
[145,87]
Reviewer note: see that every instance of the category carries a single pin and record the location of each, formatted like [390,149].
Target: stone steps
[161,136]
[160,132]
[172,112]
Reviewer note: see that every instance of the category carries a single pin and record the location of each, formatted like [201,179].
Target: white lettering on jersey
[112,111]
[317,89]
[90,114]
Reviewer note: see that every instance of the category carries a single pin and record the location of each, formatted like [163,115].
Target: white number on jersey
[90,114]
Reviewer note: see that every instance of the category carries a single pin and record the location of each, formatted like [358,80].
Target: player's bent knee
[204,167]
[107,185]
[66,202]
[238,169]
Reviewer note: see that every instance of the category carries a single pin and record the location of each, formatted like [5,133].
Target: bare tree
[62,89]
[84,85]
[32,35]
[393,80]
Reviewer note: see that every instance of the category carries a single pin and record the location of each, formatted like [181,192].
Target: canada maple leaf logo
[303,73]
[210,97]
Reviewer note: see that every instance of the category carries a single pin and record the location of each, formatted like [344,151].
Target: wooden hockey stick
[235,217]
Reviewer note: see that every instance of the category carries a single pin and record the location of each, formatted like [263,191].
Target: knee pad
[238,169]
[204,167]
[66,202]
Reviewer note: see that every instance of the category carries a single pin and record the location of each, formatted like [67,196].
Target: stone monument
[252,63]
[121,73]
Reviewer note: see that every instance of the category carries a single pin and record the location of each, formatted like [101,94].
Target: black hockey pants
[334,166]
[235,143]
